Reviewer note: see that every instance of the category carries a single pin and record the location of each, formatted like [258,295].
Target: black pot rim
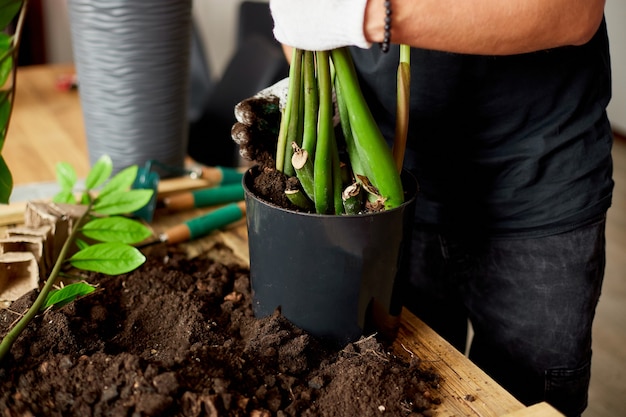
[407,177]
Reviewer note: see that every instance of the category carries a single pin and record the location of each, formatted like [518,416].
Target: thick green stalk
[374,152]
[290,112]
[323,157]
[358,172]
[402,108]
[352,198]
[299,199]
[303,156]
[353,154]
[311,103]
[303,164]
[336,177]
[11,336]
[294,129]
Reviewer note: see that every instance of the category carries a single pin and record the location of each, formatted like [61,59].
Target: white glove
[319,25]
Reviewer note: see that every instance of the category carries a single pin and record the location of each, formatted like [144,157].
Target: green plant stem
[352,199]
[374,152]
[323,164]
[311,103]
[336,177]
[299,199]
[303,164]
[353,154]
[402,106]
[282,142]
[294,128]
[12,335]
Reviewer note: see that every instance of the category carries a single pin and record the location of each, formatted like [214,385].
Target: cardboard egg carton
[28,251]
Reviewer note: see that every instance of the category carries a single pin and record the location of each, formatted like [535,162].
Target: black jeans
[531,303]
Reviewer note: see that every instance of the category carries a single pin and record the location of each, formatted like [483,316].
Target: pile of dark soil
[177,337]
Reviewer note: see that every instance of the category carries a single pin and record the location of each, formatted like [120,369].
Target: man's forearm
[489,27]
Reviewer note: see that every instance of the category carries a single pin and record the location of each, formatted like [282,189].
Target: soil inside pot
[177,337]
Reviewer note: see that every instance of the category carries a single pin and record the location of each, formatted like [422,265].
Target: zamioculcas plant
[368,178]
[103,222]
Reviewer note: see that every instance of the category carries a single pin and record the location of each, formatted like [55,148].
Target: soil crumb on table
[178,337]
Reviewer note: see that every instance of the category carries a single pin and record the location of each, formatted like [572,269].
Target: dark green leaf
[6,182]
[122,202]
[108,258]
[6,67]
[66,176]
[99,173]
[67,294]
[5,113]
[120,181]
[8,11]
[64,196]
[5,42]
[116,229]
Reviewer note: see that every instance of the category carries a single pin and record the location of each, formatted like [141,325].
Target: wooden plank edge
[542,409]
[466,389]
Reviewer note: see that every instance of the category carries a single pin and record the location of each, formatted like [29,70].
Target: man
[511,145]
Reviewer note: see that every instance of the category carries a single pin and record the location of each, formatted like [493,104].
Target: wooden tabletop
[47,128]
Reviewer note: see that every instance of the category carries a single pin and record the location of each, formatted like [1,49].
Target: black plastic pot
[337,277]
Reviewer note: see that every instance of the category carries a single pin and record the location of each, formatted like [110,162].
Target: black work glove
[258,124]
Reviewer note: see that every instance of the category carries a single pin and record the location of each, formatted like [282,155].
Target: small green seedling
[110,234]
[67,294]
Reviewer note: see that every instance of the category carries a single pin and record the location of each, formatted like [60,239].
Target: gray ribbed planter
[132,63]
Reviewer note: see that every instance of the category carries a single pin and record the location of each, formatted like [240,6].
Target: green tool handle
[231,175]
[220,175]
[219,195]
[205,197]
[203,225]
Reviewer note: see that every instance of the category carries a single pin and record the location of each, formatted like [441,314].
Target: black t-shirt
[510,144]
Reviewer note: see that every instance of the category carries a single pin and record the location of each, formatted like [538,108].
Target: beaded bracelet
[384,46]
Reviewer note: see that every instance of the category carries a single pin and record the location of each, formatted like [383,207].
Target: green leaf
[67,294]
[85,198]
[99,173]
[122,202]
[108,258]
[116,229]
[81,244]
[5,41]
[6,182]
[121,181]
[5,113]
[8,10]
[66,175]
[64,196]
[6,67]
